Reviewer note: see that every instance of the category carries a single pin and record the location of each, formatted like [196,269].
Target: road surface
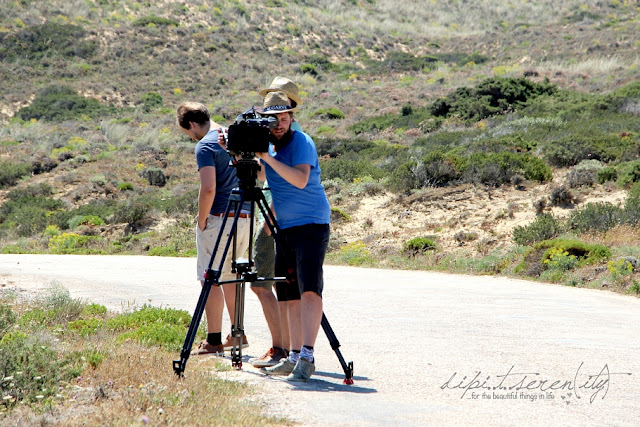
[428,348]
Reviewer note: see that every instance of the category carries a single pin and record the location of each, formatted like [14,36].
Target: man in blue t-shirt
[303,214]
[217,179]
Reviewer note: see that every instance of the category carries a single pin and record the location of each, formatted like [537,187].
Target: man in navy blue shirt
[217,179]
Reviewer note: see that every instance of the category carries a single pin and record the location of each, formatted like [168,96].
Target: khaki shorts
[205,241]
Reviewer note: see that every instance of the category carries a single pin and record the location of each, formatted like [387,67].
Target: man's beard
[279,144]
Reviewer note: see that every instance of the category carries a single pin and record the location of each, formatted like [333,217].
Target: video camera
[250,134]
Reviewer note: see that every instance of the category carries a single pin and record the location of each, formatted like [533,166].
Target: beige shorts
[205,240]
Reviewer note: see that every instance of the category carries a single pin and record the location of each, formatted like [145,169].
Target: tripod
[247,171]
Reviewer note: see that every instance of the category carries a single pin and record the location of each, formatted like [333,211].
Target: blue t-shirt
[295,206]
[210,153]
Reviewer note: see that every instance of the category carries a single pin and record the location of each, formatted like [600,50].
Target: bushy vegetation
[11,172]
[57,103]
[45,40]
[490,97]
[58,351]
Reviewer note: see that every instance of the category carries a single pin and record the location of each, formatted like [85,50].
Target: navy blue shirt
[210,153]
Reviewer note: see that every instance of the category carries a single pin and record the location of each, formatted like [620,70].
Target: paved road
[428,348]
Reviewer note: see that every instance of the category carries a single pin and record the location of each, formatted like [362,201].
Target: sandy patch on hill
[464,217]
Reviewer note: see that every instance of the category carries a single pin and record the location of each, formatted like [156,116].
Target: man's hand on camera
[221,140]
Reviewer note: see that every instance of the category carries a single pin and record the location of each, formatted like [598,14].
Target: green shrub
[48,39]
[148,325]
[325,129]
[596,217]
[32,370]
[85,327]
[586,254]
[154,20]
[418,245]
[628,173]
[335,147]
[328,113]
[321,61]
[90,220]
[93,309]
[372,124]
[404,177]
[155,176]
[607,174]
[536,170]
[54,306]
[163,251]
[11,172]
[561,196]
[620,268]
[499,168]
[7,319]
[440,169]
[632,205]
[151,101]
[404,61]
[338,214]
[309,69]
[131,212]
[490,97]
[572,150]
[349,167]
[58,103]
[67,243]
[355,253]
[29,212]
[125,186]
[169,337]
[544,227]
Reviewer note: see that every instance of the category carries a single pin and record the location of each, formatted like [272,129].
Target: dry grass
[136,385]
[127,384]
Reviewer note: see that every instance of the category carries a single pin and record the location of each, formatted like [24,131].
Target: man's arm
[298,175]
[207,194]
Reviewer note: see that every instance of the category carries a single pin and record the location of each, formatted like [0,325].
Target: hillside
[451,122]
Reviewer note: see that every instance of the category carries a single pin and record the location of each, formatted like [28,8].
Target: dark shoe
[284,367]
[270,358]
[205,348]
[302,371]
[228,343]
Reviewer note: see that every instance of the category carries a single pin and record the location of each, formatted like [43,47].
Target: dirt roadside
[427,348]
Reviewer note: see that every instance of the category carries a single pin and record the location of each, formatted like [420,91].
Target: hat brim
[292,96]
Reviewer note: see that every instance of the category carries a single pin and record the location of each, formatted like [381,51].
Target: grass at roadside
[65,361]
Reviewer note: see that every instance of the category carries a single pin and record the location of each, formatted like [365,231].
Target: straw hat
[276,103]
[283,84]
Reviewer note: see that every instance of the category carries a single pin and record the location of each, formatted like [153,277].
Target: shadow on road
[317,384]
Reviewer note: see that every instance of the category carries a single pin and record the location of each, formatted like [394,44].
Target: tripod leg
[238,329]
[211,278]
[180,365]
[335,345]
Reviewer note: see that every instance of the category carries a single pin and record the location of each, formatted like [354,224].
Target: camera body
[250,134]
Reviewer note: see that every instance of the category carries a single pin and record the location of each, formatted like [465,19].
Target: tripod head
[247,172]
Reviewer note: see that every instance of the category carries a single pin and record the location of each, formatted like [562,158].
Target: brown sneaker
[205,348]
[228,343]
[270,358]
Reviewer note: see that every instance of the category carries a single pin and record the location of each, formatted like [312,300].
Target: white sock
[294,356]
[307,353]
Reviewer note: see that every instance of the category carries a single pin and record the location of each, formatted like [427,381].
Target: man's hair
[192,112]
